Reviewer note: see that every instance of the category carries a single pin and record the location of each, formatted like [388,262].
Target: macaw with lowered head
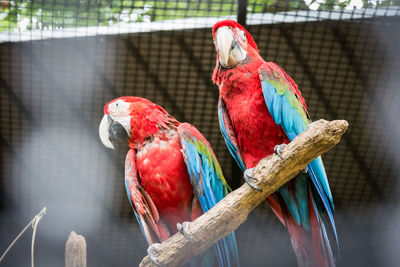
[260,110]
[171,174]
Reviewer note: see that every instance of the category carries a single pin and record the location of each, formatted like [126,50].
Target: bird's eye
[116,104]
[242,35]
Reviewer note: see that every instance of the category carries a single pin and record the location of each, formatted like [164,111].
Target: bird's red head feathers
[234,46]
[233,24]
[138,116]
[130,101]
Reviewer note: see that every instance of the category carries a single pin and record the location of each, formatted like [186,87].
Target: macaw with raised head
[260,110]
[171,174]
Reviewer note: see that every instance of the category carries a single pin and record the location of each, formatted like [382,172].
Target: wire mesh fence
[61,61]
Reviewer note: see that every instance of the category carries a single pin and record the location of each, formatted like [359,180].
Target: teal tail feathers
[303,217]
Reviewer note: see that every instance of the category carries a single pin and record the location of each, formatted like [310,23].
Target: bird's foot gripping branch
[272,172]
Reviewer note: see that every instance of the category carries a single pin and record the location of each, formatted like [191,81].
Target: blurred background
[61,61]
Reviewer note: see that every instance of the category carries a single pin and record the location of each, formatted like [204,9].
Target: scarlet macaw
[260,109]
[171,173]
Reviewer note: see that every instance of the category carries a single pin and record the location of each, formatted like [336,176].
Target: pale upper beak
[104,131]
[229,50]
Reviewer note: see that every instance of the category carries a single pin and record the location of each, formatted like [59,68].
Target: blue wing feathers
[209,185]
[289,116]
[319,170]
[268,93]
[233,149]
[324,199]
[134,211]
[277,109]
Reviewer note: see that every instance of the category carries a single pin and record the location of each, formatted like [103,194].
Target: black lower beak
[117,132]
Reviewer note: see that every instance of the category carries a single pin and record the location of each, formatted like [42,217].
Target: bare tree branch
[272,172]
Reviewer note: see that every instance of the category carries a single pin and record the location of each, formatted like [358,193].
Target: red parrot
[171,174]
[261,109]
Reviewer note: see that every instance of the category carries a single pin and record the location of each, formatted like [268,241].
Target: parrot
[172,175]
[260,110]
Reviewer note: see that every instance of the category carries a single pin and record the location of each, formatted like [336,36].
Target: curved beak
[112,132]
[104,131]
[229,50]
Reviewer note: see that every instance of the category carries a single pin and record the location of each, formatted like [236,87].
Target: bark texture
[272,172]
[75,251]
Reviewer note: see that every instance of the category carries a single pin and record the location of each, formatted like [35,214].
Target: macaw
[171,174]
[260,110]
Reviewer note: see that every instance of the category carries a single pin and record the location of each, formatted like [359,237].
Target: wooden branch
[272,172]
[75,251]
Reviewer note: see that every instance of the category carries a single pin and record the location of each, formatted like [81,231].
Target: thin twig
[34,222]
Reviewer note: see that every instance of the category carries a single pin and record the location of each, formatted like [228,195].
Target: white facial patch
[231,44]
[241,38]
[119,108]
[119,111]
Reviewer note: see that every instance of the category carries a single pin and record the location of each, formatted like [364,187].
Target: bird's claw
[184,229]
[153,253]
[278,150]
[248,176]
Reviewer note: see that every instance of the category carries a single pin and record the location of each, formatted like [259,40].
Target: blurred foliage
[55,14]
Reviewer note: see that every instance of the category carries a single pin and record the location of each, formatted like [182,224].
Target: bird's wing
[288,109]
[225,125]
[208,183]
[145,211]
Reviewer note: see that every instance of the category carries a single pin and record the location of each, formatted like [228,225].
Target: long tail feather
[321,247]
[300,238]
[311,246]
